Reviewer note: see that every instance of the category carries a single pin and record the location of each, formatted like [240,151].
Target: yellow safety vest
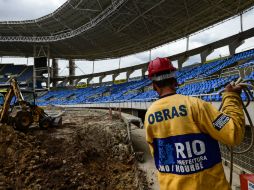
[183,134]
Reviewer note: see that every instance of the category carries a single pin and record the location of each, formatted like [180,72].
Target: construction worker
[183,133]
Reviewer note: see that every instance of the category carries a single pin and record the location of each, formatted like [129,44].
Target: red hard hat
[159,65]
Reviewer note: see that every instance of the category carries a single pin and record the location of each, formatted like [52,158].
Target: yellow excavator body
[24,113]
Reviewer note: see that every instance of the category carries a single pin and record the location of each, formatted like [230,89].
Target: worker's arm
[227,126]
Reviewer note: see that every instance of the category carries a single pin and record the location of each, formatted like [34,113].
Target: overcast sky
[32,9]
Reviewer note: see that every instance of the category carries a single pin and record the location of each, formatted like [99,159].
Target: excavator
[23,114]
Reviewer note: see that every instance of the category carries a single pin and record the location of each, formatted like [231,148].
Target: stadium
[101,142]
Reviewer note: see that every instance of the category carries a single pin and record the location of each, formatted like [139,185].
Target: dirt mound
[89,151]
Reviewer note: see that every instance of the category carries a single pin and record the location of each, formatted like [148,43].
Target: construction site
[91,150]
[128,95]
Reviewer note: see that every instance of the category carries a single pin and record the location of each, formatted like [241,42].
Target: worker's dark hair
[170,82]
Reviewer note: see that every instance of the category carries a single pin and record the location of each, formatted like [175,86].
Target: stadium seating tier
[195,80]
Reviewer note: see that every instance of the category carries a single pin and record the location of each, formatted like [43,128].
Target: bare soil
[90,151]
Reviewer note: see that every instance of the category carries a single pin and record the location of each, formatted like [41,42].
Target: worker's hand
[232,88]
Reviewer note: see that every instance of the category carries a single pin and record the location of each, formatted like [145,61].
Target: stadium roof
[97,29]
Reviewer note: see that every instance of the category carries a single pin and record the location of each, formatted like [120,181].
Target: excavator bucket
[56,122]
[50,121]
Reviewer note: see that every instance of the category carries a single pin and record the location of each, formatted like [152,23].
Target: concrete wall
[144,106]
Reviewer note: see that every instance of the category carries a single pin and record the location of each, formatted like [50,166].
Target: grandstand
[210,76]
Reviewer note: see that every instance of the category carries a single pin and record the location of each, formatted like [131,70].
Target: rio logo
[190,149]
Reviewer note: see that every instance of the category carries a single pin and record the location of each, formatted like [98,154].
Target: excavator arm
[28,113]
[7,100]
[22,117]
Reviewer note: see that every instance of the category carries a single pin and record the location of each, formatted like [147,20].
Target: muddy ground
[90,151]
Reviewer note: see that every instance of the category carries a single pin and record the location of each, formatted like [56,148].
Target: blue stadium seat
[134,90]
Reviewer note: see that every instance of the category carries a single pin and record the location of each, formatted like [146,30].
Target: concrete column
[241,21]
[144,72]
[77,81]
[101,78]
[55,71]
[235,44]
[205,54]
[128,73]
[114,77]
[63,83]
[89,80]
[72,68]
[180,61]
[187,43]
